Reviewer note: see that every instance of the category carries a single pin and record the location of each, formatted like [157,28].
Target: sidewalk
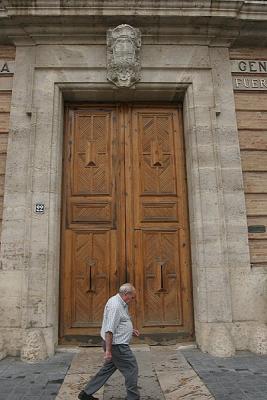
[243,377]
[40,381]
[164,373]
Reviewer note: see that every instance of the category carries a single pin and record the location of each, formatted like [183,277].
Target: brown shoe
[84,396]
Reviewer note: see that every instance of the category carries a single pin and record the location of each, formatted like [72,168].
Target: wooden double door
[125,219]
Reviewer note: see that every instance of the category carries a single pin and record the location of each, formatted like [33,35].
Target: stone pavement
[243,377]
[165,373]
[40,381]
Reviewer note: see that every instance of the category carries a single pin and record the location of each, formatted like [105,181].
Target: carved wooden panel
[90,277]
[157,169]
[92,167]
[161,212]
[91,212]
[161,279]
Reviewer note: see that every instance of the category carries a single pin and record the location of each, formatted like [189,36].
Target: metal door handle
[70,151]
[90,265]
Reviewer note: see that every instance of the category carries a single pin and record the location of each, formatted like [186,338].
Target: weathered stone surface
[177,379]
[34,348]
[258,339]
[2,349]
[220,342]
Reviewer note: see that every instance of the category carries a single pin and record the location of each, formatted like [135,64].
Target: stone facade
[184,58]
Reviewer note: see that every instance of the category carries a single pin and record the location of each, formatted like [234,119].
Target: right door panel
[157,221]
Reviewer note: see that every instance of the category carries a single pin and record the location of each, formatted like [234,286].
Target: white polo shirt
[116,319]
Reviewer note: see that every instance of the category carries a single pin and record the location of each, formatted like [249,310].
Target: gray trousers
[124,360]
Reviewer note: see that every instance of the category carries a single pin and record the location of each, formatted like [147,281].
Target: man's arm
[108,340]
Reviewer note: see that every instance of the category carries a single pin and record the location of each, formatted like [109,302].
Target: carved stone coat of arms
[123,60]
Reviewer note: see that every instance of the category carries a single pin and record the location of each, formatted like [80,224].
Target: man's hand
[107,356]
[136,332]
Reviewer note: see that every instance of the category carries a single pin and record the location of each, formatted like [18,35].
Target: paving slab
[177,378]
[84,366]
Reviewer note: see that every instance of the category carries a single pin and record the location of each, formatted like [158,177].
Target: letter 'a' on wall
[7,67]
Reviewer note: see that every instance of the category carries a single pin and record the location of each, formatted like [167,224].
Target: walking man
[116,332]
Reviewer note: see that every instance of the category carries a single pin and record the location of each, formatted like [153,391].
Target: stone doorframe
[218,228]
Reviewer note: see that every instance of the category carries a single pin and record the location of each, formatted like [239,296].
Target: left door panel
[93,210]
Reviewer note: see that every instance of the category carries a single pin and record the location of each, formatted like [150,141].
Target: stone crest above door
[123,60]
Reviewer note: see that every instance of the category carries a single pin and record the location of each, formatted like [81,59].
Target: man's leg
[100,378]
[125,361]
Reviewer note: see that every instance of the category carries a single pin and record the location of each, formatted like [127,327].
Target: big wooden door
[125,219]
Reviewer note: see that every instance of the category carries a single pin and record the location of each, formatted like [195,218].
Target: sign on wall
[249,83]
[249,66]
[252,74]
[7,67]
[39,208]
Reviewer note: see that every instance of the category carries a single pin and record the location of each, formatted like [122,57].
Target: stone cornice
[211,22]
[241,9]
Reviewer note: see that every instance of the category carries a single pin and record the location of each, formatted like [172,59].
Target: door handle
[90,279]
[70,151]
[89,267]
[160,276]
